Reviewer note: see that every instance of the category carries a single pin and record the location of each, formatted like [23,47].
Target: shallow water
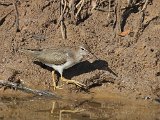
[83,109]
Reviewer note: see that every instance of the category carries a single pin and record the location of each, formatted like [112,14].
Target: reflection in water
[69,111]
[33,109]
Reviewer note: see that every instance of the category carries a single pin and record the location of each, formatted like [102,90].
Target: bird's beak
[91,57]
[91,54]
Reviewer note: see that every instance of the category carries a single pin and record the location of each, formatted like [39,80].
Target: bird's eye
[82,48]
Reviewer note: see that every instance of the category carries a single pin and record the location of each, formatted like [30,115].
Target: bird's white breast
[61,67]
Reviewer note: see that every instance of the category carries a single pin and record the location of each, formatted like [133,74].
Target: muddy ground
[130,66]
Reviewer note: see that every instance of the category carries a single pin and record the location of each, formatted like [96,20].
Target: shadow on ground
[81,68]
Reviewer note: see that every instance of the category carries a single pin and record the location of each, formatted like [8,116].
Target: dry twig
[17,16]
[82,4]
[140,21]
[109,9]
[60,21]
[17,86]
[118,17]
[4,17]
[93,4]
[140,25]
[63,30]
[79,4]
[72,7]
[145,5]
[5,3]
[62,11]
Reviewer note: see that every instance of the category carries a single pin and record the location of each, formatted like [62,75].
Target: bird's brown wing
[52,56]
[55,56]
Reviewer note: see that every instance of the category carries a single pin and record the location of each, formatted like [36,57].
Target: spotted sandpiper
[60,58]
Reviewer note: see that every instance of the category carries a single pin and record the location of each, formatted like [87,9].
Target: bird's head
[84,50]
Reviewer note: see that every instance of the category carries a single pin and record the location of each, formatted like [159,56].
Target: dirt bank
[135,62]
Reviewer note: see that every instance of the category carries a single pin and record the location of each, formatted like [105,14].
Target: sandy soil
[135,62]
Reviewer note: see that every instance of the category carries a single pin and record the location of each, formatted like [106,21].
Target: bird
[60,58]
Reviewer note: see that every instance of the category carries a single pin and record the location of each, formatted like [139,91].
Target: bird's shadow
[82,67]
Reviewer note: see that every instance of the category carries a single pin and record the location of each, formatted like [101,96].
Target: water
[81,109]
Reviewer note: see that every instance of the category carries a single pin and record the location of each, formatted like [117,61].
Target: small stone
[3,60]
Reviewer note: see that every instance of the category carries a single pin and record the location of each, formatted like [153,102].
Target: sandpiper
[60,58]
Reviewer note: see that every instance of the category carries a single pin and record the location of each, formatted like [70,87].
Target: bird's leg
[72,82]
[53,78]
[54,82]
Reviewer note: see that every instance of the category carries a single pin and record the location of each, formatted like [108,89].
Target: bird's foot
[57,87]
[73,82]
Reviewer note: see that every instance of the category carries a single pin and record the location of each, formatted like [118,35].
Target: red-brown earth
[132,65]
